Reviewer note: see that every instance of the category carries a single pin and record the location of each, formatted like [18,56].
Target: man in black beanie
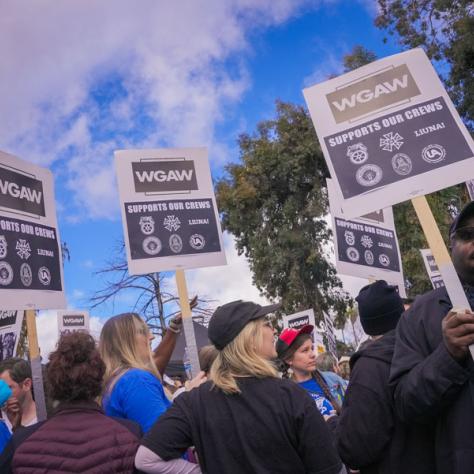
[432,370]
[370,438]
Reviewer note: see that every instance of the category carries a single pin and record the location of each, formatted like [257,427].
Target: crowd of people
[263,403]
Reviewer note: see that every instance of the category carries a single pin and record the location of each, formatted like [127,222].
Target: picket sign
[441,255]
[470,188]
[170,218]
[35,361]
[390,133]
[188,326]
[31,273]
[432,269]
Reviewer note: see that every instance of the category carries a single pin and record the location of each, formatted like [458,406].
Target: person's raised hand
[13,410]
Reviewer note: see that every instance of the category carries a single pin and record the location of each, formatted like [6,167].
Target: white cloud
[226,283]
[87,264]
[77,294]
[79,76]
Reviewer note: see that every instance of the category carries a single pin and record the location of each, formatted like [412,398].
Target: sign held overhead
[389,132]
[30,256]
[169,211]
[366,247]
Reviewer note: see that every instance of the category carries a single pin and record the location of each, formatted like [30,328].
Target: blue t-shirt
[5,436]
[139,396]
[314,389]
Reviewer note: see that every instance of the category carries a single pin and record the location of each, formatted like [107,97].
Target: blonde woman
[245,419]
[133,388]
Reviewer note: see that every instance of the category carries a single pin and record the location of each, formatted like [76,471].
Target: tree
[358,57]
[445,29]
[153,301]
[275,204]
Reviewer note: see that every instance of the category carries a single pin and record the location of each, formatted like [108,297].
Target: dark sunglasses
[466,234]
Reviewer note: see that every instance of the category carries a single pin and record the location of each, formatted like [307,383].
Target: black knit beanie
[380,307]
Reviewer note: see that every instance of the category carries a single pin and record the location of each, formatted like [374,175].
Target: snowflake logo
[390,141]
[23,249]
[366,241]
[172,223]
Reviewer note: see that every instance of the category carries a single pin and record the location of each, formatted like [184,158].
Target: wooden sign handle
[188,326]
[183,294]
[36,368]
[441,255]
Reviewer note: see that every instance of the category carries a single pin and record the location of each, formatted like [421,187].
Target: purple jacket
[78,438]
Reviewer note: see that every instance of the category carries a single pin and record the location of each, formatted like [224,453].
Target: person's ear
[27,384]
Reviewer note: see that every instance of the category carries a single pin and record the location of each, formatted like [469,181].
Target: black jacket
[432,387]
[369,436]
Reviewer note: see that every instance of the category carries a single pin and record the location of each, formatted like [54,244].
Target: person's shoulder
[134,378]
[427,307]
[436,296]
[3,427]
[332,377]
[136,374]
[24,432]
[288,387]
[129,425]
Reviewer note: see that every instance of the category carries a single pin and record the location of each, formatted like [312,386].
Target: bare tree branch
[155,304]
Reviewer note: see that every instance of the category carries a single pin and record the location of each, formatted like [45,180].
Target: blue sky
[81,79]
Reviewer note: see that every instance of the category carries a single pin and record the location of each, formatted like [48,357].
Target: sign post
[330,335]
[170,218]
[31,275]
[431,268]
[390,133]
[35,361]
[303,318]
[11,322]
[470,188]
[367,246]
[440,252]
[72,320]
[188,326]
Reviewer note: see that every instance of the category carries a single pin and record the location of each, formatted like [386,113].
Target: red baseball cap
[288,336]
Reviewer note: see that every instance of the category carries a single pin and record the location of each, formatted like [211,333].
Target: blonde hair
[118,346]
[207,355]
[241,358]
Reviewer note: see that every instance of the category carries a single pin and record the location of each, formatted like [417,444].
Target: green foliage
[445,29]
[411,237]
[358,57]
[274,202]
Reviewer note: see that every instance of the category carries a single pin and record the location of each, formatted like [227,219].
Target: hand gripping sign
[367,246]
[389,132]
